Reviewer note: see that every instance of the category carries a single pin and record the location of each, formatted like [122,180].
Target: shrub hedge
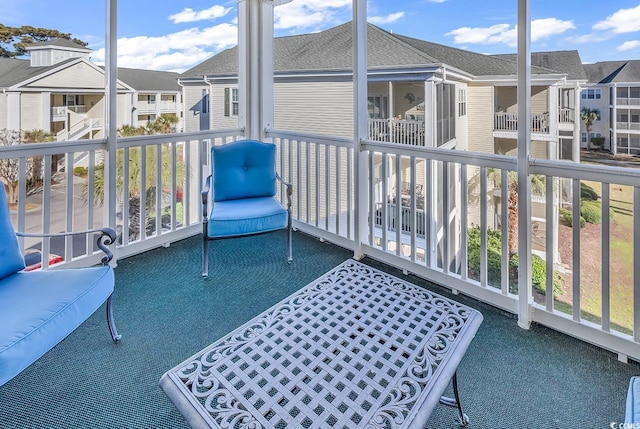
[494,260]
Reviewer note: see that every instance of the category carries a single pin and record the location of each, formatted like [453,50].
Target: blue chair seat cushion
[40,308]
[246,216]
[633,401]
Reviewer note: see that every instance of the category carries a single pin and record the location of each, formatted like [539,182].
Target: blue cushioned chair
[38,309]
[632,409]
[243,188]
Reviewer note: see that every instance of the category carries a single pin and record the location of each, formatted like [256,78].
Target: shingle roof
[149,80]
[566,62]
[61,43]
[14,71]
[331,50]
[327,50]
[613,71]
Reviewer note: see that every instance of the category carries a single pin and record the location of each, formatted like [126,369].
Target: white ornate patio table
[356,348]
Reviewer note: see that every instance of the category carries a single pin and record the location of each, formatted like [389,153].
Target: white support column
[360,130]
[13,111]
[392,112]
[255,67]
[111,115]
[575,149]
[525,296]
[613,135]
[45,108]
[430,109]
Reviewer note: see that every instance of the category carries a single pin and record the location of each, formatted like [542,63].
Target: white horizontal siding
[315,107]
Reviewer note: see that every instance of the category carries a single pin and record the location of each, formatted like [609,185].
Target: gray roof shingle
[331,50]
[149,80]
[15,71]
[613,71]
[61,43]
[566,62]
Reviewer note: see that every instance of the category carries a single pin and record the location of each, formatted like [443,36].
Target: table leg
[455,402]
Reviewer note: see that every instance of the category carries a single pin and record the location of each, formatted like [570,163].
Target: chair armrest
[205,195]
[289,187]
[107,237]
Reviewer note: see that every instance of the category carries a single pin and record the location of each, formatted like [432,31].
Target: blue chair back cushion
[243,169]
[11,260]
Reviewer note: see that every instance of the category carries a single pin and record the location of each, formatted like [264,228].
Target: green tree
[14,40]
[589,115]
[537,187]
[10,167]
[136,194]
[36,136]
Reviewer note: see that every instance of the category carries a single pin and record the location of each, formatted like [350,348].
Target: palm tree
[136,194]
[537,187]
[588,115]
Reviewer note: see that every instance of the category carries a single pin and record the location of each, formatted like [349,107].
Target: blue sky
[178,34]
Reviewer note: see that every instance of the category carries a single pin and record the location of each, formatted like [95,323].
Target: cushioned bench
[38,309]
[633,401]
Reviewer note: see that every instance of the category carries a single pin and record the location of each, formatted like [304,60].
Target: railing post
[359,30]
[111,75]
[525,296]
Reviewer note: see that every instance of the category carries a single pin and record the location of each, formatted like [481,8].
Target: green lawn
[621,264]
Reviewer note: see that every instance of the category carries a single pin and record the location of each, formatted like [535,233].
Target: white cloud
[176,51]
[622,21]
[629,45]
[437,1]
[302,14]
[508,34]
[388,19]
[189,15]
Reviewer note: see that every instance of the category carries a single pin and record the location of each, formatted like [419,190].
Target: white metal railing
[633,126]
[627,101]
[397,131]
[566,115]
[509,122]
[451,214]
[66,200]
[59,112]
[79,129]
[78,108]
[439,213]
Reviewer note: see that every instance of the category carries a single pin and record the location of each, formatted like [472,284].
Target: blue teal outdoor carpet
[166,312]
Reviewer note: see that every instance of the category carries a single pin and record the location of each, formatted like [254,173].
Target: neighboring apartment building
[613,89]
[419,93]
[60,91]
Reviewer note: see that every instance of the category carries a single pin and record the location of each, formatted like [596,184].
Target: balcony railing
[634,126]
[566,116]
[509,122]
[627,101]
[397,131]
[449,227]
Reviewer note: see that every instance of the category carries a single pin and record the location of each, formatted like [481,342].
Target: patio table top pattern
[356,348]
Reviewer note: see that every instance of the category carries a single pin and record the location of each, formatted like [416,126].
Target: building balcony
[167,314]
[545,356]
[509,122]
[628,126]
[399,131]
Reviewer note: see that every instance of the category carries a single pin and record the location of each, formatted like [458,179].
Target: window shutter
[226,102]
